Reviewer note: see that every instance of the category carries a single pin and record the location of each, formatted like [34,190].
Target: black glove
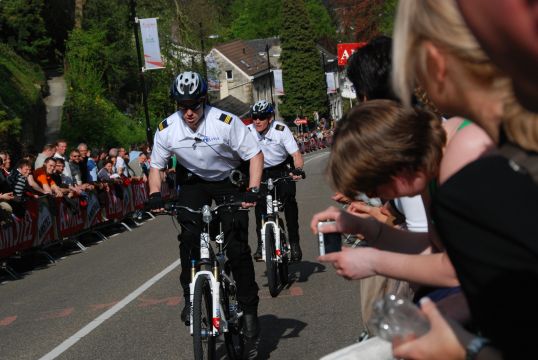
[155,201]
[299,172]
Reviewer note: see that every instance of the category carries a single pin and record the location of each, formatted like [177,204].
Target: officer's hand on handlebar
[298,174]
[250,197]
[155,202]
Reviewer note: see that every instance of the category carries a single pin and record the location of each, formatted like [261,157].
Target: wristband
[154,195]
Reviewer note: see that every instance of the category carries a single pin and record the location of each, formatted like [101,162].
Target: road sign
[300,121]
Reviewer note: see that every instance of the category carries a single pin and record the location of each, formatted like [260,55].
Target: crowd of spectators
[57,172]
[316,139]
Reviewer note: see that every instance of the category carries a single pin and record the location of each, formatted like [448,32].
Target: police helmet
[262,108]
[188,86]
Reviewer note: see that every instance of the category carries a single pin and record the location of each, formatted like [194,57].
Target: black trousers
[286,191]
[196,193]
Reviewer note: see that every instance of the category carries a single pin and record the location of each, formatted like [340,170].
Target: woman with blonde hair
[485,213]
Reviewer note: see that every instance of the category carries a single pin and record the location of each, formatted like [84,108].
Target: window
[229,75]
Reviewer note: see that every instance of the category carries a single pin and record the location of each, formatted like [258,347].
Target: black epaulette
[163,125]
[227,119]
[280,127]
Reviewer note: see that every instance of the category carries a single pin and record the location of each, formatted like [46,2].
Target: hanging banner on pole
[331,82]
[279,84]
[150,43]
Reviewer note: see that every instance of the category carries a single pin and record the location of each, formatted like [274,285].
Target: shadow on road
[274,329]
[300,272]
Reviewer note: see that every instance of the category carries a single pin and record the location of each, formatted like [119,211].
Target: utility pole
[270,74]
[134,20]
[325,78]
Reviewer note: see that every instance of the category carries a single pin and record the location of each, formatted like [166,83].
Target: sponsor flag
[150,42]
[279,84]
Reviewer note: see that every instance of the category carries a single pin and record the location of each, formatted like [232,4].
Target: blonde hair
[440,22]
[520,125]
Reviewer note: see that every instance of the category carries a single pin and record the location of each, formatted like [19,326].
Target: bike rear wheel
[270,260]
[202,317]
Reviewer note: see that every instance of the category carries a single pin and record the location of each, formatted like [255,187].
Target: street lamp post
[325,77]
[134,19]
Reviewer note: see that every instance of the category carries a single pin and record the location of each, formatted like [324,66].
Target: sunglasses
[191,106]
[260,117]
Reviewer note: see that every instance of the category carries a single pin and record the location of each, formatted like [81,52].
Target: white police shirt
[212,151]
[276,143]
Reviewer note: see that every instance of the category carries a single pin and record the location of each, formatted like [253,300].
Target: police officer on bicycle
[278,145]
[208,143]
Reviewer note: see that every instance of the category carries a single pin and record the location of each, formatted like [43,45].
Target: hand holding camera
[328,242]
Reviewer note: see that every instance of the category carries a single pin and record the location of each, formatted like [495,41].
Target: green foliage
[320,20]
[89,115]
[388,13]
[22,118]
[254,19]
[303,75]
[23,28]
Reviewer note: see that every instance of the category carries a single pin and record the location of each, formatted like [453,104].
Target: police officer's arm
[159,160]
[298,161]
[255,170]
[293,149]
[154,181]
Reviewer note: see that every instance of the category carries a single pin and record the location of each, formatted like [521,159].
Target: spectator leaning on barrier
[48,151]
[91,165]
[18,179]
[74,160]
[83,163]
[137,165]
[6,160]
[106,172]
[44,179]
[61,147]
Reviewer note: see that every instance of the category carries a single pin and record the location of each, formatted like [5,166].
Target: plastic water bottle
[397,318]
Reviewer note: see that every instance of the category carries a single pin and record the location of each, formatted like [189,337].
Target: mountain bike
[213,291]
[275,247]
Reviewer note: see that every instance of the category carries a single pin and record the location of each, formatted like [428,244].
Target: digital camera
[329,242]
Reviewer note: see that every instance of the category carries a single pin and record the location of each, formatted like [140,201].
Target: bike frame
[272,219]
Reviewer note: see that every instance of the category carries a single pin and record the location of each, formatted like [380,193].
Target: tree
[23,28]
[303,75]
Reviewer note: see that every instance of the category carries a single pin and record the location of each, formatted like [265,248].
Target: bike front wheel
[283,272]
[202,316]
[233,339]
[270,260]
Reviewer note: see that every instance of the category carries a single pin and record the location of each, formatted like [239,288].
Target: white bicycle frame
[272,208]
[218,318]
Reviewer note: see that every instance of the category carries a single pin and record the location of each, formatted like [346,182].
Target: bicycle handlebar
[170,207]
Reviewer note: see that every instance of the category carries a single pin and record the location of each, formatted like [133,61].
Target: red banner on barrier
[140,194]
[46,226]
[47,220]
[19,235]
[71,217]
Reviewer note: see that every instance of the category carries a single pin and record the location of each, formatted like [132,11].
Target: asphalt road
[120,298]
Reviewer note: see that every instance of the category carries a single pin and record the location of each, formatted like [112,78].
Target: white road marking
[108,314]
